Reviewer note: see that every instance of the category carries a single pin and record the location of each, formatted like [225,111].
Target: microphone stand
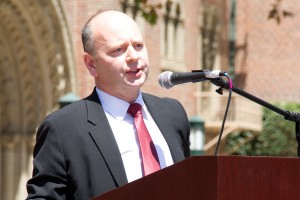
[288,115]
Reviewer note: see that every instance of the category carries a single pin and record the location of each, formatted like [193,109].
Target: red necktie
[150,161]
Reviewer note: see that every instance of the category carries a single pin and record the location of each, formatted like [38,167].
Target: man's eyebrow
[118,44]
[137,39]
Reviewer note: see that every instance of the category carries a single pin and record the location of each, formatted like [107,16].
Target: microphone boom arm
[288,115]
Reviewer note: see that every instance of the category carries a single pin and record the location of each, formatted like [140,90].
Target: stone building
[41,60]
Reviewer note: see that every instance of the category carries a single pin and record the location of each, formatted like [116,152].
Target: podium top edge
[243,157]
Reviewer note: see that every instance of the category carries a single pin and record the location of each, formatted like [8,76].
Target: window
[172,37]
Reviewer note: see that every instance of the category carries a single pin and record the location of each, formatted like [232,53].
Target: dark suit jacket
[76,155]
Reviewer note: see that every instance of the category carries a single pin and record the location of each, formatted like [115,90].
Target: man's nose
[132,55]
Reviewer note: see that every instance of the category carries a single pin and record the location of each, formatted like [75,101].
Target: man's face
[121,58]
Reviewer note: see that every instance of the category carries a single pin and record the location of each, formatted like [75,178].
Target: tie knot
[134,108]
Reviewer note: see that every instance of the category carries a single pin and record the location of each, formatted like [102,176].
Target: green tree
[148,9]
[278,137]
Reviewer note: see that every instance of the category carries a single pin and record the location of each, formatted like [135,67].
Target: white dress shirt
[122,125]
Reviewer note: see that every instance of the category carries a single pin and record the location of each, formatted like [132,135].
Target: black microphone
[168,79]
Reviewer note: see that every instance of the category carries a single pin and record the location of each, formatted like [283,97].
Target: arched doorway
[36,68]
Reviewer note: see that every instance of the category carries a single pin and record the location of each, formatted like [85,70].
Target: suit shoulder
[163,102]
[70,110]
[159,99]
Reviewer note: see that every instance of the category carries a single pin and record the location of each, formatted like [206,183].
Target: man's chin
[136,83]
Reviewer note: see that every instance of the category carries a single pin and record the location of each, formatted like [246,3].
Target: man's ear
[90,64]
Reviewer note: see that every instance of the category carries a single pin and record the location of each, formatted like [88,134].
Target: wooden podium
[217,178]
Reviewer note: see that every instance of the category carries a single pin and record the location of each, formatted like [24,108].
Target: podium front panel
[217,178]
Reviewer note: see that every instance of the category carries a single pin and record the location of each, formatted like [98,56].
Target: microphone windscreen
[164,79]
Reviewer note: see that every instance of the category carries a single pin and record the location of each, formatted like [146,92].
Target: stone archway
[36,68]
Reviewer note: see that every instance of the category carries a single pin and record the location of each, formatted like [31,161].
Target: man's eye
[117,50]
[139,46]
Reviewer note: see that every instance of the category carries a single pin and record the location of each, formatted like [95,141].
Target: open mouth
[134,71]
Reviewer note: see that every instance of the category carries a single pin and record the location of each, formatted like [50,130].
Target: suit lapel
[104,139]
[106,143]
[160,116]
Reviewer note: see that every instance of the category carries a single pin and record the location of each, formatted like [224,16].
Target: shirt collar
[115,106]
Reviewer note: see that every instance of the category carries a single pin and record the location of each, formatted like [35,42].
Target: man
[91,146]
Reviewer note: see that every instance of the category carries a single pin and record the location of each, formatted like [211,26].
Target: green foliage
[278,137]
[150,16]
[148,9]
[277,13]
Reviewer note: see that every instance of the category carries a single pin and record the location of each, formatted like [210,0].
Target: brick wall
[268,58]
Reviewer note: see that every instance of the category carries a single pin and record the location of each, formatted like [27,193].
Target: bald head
[100,25]
[115,54]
